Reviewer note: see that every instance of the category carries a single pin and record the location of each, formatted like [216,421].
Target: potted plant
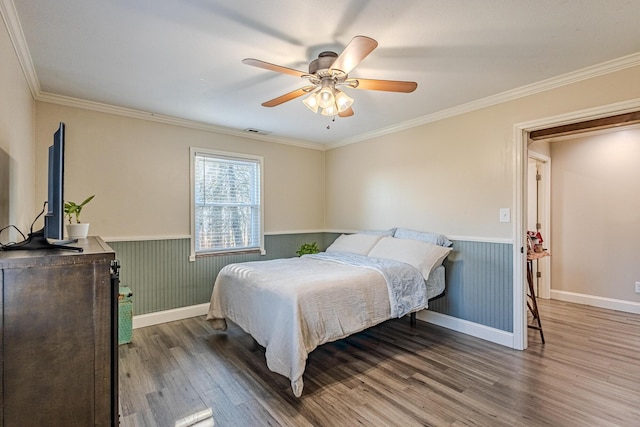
[308,248]
[75,228]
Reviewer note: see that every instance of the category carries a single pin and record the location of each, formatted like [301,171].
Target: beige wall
[139,171]
[17,121]
[452,175]
[595,214]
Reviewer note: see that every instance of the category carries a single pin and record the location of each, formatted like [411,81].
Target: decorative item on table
[534,239]
[76,229]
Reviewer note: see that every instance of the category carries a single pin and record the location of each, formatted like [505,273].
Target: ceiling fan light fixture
[343,101]
[311,102]
[328,71]
[325,97]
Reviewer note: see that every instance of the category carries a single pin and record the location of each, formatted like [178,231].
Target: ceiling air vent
[257,131]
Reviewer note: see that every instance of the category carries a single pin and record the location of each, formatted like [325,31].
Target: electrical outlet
[637,287]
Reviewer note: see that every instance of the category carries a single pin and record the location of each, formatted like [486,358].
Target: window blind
[227,203]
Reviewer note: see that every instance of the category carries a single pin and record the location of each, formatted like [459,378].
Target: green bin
[125,315]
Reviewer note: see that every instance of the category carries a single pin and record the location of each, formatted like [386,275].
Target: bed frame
[412,316]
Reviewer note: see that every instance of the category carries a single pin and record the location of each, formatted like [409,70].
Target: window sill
[193,257]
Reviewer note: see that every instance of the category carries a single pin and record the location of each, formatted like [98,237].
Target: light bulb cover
[311,102]
[331,110]
[343,101]
[326,96]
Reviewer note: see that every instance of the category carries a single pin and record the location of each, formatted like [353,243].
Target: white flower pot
[77,231]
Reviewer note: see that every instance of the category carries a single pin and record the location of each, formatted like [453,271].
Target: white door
[538,214]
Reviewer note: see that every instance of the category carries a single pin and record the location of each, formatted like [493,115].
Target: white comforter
[290,306]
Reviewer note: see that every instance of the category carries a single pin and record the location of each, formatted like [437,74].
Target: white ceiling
[182,58]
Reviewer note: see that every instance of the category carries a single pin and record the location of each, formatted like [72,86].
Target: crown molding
[159,118]
[10,18]
[510,95]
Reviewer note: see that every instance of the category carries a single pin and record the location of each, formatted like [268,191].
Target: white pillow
[422,255]
[357,243]
[388,232]
[425,236]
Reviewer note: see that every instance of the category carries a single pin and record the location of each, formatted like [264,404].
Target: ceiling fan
[327,73]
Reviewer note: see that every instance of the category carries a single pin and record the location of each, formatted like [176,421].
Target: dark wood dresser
[58,323]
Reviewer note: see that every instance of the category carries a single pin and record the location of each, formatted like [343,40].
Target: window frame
[193,153]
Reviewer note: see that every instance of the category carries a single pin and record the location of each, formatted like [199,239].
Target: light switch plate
[505,215]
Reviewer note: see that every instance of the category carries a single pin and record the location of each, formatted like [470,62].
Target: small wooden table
[531,296]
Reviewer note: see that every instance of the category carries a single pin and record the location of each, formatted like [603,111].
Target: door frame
[521,137]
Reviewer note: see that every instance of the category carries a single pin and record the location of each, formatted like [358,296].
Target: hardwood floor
[587,374]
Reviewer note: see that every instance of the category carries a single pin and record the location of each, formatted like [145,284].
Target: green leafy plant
[308,248]
[72,209]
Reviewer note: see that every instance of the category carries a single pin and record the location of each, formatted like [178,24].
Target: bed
[290,306]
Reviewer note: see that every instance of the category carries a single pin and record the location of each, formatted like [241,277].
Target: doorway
[521,139]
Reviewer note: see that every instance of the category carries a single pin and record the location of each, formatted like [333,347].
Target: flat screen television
[54,218]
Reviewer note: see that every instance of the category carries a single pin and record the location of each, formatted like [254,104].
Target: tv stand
[59,329]
[37,241]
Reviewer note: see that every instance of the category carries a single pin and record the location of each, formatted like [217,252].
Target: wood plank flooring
[587,374]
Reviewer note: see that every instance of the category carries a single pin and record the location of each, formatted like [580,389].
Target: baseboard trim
[150,319]
[595,301]
[459,325]
[466,327]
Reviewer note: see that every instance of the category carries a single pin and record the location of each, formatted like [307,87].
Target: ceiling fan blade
[357,49]
[273,67]
[385,85]
[287,97]
[346,113]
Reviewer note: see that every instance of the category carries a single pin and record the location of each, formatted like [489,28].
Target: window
[226,194]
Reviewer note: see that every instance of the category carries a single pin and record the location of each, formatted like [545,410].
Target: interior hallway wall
[595,214]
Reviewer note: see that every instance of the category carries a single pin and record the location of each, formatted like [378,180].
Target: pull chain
[333,119]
